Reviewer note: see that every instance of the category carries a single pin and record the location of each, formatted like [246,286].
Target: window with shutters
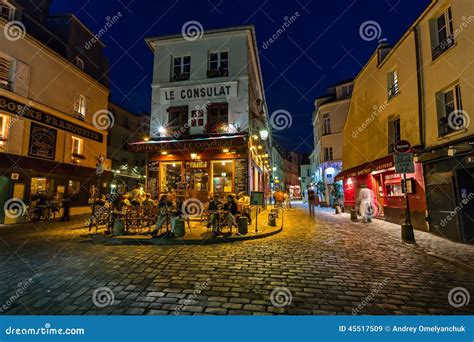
[5,73]
[4,123]
[451,116]
[442,33]
[326,123]
[394,132]
[392,84]
[328,154]
[7,11]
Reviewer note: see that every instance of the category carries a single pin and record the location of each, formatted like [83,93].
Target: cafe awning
[194,144]
[376,165]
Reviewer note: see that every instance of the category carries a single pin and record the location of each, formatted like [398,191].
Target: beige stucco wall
[366,129]
[454,66]
[52,87]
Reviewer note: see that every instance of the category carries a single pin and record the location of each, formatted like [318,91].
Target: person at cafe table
[214,206]
[231,208]
[164,205]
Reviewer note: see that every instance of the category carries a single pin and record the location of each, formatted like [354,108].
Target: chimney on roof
[383,50]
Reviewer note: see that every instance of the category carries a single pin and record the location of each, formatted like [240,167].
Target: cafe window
[39,186]
[77,145]
[218,64]
[74,187]
[181,68]
[197,176]
[197,118]
[218,113]
[222,176]
[177,116]
[4,120]
[394,189]
[80,107]
[170,176]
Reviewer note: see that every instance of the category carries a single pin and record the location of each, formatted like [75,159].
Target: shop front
[389,200]
[200,167]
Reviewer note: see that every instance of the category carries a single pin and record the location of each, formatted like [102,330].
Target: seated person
[214,205]
[163,206]
[231,207]
[126,201]
[148,202]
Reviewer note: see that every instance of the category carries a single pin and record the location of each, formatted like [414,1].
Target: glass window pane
[222,172]
[170,176]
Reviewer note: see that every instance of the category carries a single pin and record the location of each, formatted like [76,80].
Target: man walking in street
[311,201]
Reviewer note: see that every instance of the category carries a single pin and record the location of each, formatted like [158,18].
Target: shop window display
[222,172]
[170,176]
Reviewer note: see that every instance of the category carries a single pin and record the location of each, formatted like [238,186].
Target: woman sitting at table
[231,207]
[214,206]
[164,205]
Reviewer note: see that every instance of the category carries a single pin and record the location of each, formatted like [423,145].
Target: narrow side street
[326,265]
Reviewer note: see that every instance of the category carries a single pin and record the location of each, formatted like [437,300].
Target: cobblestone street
[326,265]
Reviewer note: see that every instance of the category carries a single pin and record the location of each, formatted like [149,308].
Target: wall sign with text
[226,90]
[42,142]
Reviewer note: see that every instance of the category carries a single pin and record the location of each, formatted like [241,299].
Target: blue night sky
[320,48]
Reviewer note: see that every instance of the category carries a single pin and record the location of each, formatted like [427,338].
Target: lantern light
[264,134]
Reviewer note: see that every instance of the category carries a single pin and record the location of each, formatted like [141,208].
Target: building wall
[366,130]
[453,66]
[53,84]
[237,46]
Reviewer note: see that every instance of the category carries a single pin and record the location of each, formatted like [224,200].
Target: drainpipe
[421,97]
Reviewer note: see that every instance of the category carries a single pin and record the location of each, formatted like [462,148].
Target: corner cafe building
[202,165]
[44,151]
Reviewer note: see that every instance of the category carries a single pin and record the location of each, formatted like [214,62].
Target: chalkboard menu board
[42,142]
[241,176]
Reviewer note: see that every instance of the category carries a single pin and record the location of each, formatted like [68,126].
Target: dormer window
[7,11]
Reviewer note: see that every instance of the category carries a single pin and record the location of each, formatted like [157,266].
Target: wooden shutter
[22,79]
[4,70]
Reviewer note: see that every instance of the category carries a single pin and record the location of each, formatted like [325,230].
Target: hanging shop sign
[226,90]
[26,111]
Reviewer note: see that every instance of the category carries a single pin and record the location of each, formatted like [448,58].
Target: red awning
[376,165]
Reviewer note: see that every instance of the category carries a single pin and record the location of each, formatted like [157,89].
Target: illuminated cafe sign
[26,111]
[189,145]
[199,91]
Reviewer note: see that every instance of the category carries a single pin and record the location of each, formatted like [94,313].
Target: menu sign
[241,175]
[26,111]
[42,142]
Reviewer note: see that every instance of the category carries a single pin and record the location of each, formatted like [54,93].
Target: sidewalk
[428,243]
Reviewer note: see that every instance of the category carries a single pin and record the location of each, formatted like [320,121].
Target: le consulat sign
[199,91]
[28,112]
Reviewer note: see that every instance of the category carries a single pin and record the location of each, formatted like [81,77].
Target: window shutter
[440,111]
[433,33]
[4,70]
[77,101]
[22,79]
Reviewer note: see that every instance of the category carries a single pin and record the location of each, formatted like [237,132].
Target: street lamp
[264,134]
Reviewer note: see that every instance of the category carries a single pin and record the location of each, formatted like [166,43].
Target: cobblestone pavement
[326,265]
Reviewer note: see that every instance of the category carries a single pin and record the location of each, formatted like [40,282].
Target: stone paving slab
[316,266]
